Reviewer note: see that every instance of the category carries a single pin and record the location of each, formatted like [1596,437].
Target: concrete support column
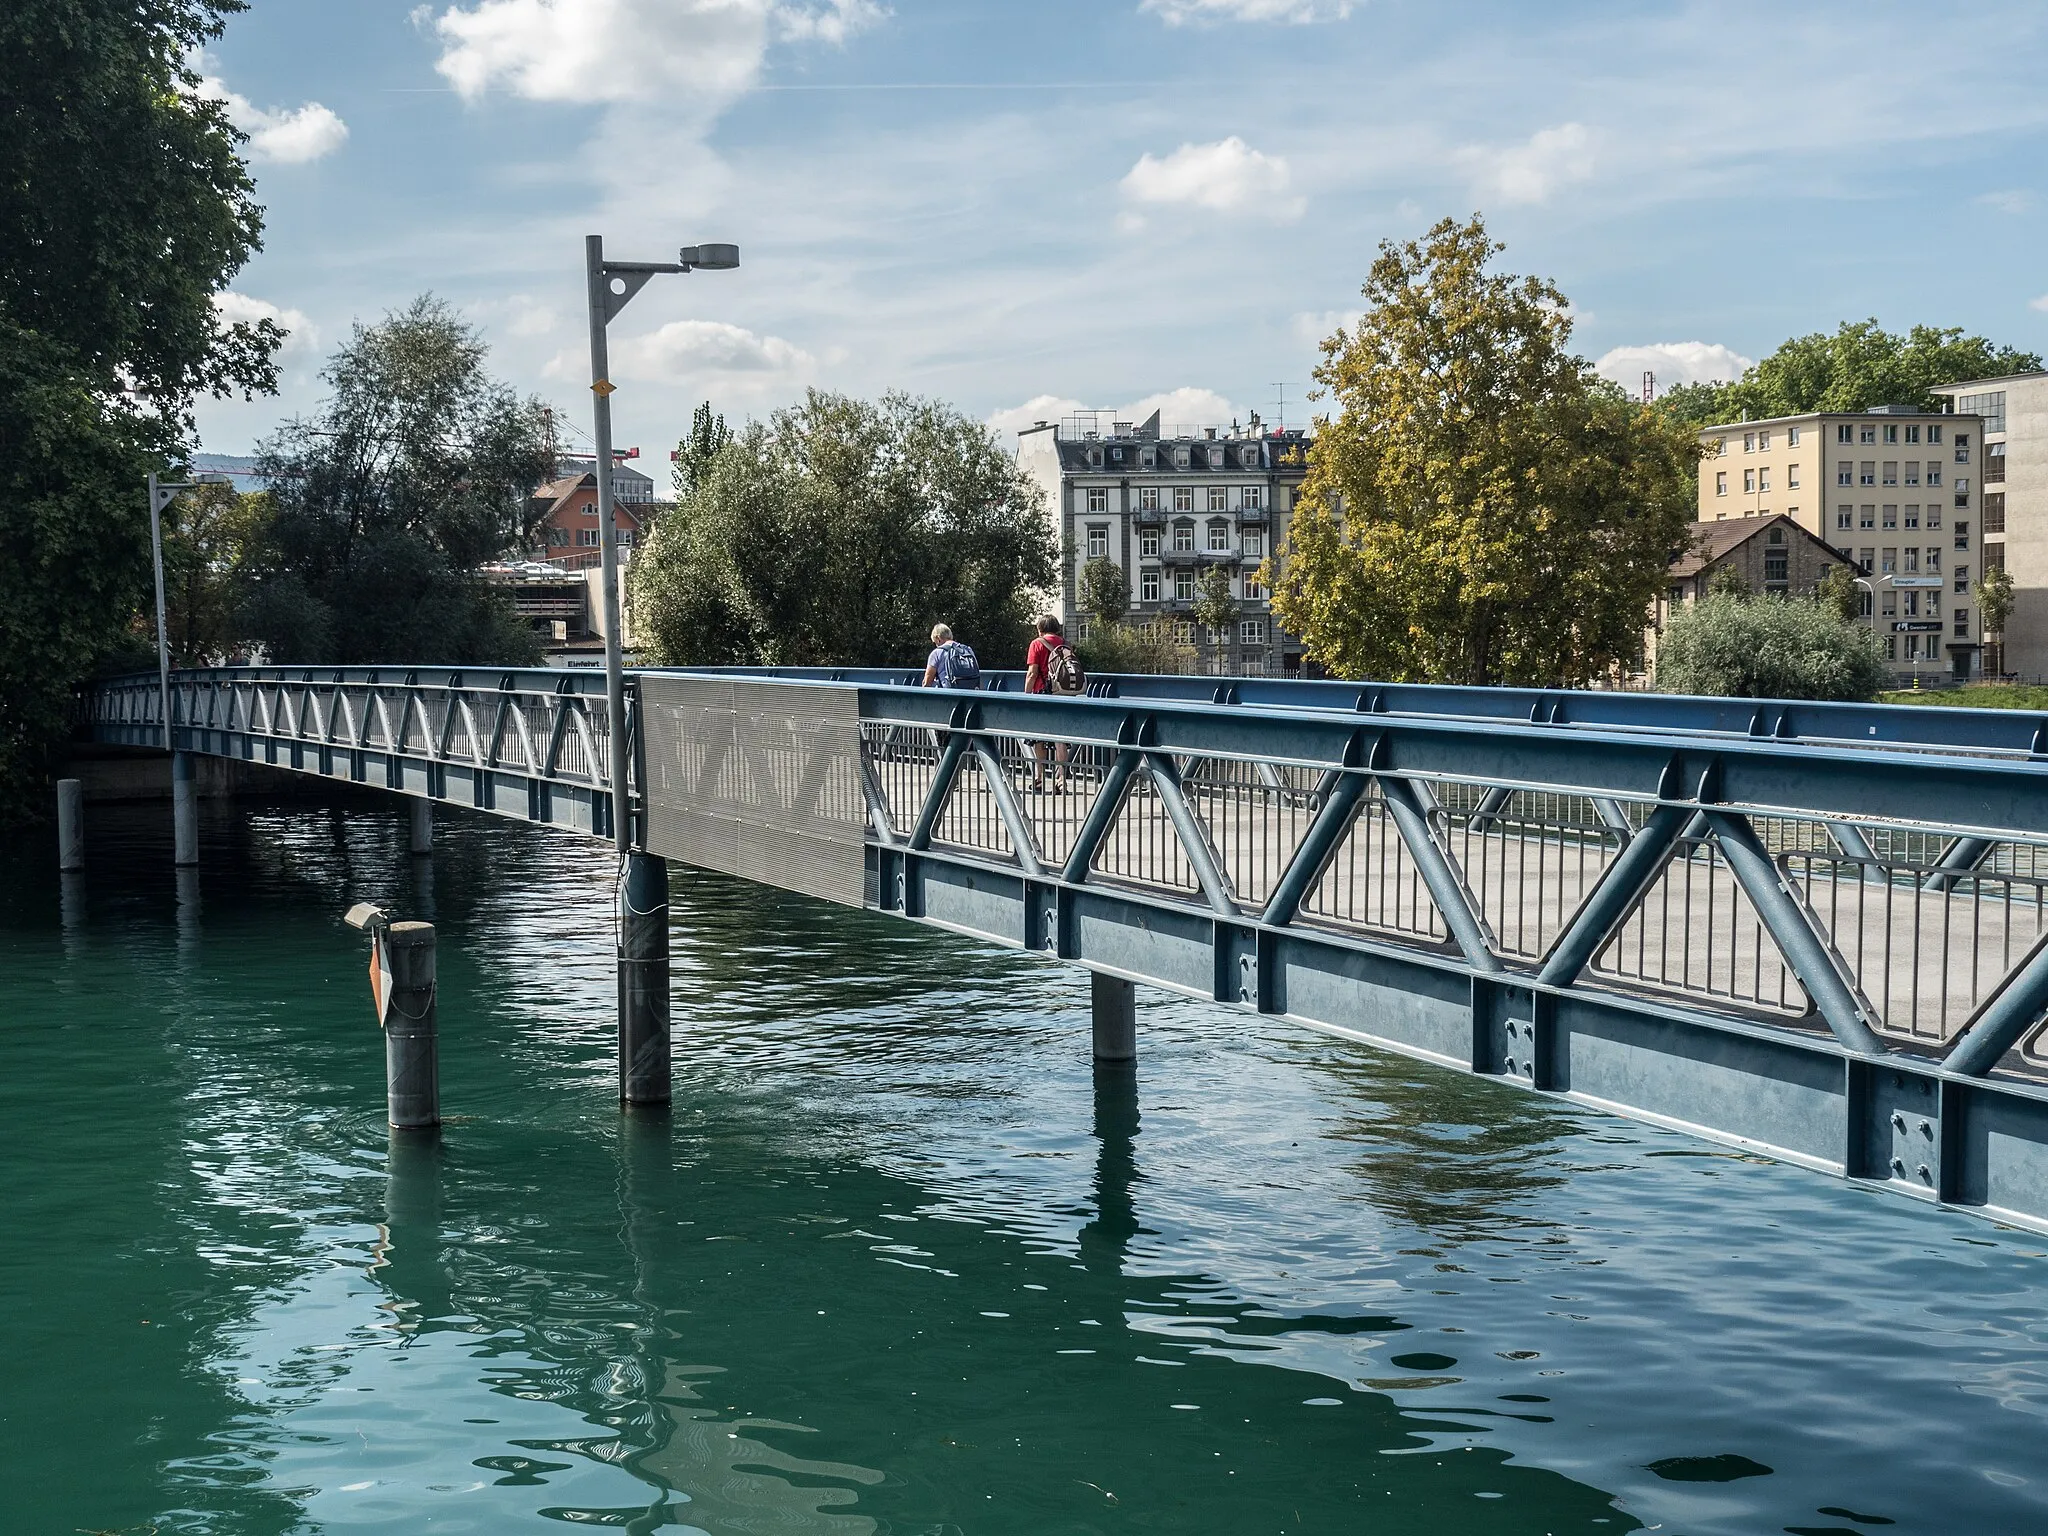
[412,1047]
[184,811]
[422,826]
[70,826]
[643,981]
[1114,1006]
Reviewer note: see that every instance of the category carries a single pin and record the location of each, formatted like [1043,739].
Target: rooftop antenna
[1281,410]
[1649,386]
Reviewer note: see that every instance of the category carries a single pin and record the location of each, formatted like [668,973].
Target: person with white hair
[952,663]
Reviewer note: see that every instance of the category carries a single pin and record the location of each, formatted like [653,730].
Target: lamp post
[612,285]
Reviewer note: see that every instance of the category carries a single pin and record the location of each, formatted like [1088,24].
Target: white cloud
[2041,303]
[1177,13]
[2012,200]
[1222,177]
[1673,362]
[280,137]
[1187,407]
[1317,326]
[232,308]
[697,349]
[1533,172]
[711,51]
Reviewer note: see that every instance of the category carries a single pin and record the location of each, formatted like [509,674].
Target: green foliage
[123,210]
[211,537]
[1105,590]
[417,471]
[840,531]
[1484,509]
[1858,365]
[1994,599]
[705,440]
[1728,582]
[1215,606]
[1148,648]
[1974,696]
[1837,590]
[1798,649]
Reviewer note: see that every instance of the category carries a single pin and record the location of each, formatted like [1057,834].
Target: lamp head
[710,258]
[366,918]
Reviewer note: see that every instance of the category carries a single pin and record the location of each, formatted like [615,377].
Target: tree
[123,211]
[1148,648]
[839,532]
[1105,590]
[1837,590]
[211,536]
[705,440]
[1994,607]
[1729,582]
[1216,608]
[1483,509]
[1799,649]
[1858,365]
[418,469]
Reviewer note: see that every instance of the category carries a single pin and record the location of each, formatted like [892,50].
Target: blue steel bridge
[1814,930]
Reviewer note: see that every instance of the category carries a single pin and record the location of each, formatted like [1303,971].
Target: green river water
[899,1260]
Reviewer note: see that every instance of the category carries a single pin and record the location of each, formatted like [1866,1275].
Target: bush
[1768,649]
[1143,649]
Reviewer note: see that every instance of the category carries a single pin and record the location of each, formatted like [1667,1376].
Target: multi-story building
[567,518]
[1772,554]
[1894,488]
[2014,411]
[1168,505]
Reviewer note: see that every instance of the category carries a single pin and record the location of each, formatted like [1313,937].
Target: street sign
[1917,627]
[1916,581]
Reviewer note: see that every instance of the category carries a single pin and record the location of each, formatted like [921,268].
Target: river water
[898,1260]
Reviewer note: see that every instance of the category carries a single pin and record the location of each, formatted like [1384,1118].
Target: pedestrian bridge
[1814,930]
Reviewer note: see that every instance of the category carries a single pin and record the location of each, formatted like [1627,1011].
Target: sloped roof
[1711,541]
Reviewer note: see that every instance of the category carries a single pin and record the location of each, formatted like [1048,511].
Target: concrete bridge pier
[184,811]
[70,826]
[412,1047]
[422,827]
[643,980]
[1114,1006]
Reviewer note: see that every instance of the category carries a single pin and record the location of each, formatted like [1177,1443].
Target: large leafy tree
[840,531]
[418,469]
[123,210]
[1482,508]
[1856,366]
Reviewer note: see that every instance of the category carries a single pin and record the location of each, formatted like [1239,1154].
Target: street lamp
[612,285]
[161,494]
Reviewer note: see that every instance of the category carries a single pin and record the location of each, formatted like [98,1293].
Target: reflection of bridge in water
[1815,929]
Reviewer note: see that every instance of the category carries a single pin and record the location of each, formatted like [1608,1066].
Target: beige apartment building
[1897,490]
[2014,411]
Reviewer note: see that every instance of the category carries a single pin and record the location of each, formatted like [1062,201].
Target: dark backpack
[1063,672]
[958,665]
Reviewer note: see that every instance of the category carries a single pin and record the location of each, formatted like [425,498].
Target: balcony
[1180,556]
[1253,514]
[1152,515]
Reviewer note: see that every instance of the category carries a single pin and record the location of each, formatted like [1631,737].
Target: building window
[1254,589]
[1146,458]
[1148,586]
[1845,517]
[1777,564]
[1890,559]
[1749,442]
[558,536]
[625,538]
[1868,517]
[1991,407]
[1791,477]
[1933,557]
[1763,479]
[1180,458]
[1098,500]
[587,537]
[1891,472]
[1721,482]
[1749,480]
[1868,474]
[1913,433]
[1994,510]
[1184,631]
[1248,456]
[1962,630]
[1254,498]
[1865,559]
[1962,575]
[1148,498]
[1934,432]
[1253,542]
[1184,586]
[1098,542]
[1962,442]
[1184,537]
[1148,542]
[1913,560]
[1219,537]
[1911,605]
[1962,540]
[1912,471]
[1842,434]
[1251,631]
[1868,433]
[1891,433]
[1933,473]
[1219,498]
[1791,437]
[1763,442]
[1845,473]
[1889,607]
[1891,647]
[1183,499]
[1913,517]
[1891,517]
[1994,463]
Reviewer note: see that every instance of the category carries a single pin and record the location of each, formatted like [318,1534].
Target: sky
[1025,209]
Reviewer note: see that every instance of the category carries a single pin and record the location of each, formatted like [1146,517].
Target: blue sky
[1025,207]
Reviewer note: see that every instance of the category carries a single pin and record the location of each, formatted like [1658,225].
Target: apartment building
[1894,488]
[1167,504]
[2014,411]
[567,526]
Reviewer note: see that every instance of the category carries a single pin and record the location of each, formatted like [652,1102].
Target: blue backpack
[958,666]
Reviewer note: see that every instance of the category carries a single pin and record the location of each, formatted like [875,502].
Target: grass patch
[1975,696]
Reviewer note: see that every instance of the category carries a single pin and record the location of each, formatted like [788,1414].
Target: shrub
[1768,649]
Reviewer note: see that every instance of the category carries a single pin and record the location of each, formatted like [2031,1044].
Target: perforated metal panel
[759,780]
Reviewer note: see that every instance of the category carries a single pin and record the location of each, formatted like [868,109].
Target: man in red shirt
[1038,665]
